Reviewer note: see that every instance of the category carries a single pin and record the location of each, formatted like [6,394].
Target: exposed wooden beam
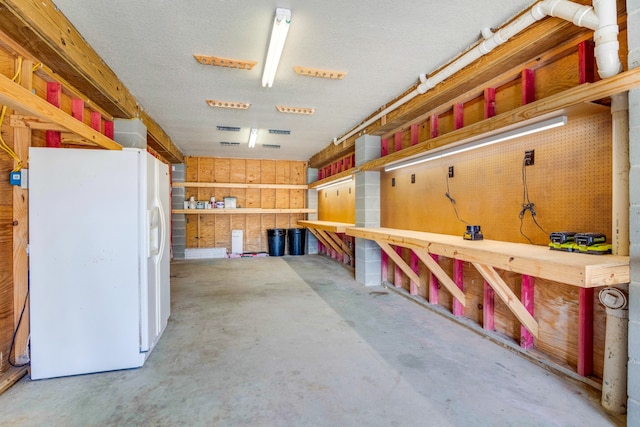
[45,32]
[569,98]
[14,96]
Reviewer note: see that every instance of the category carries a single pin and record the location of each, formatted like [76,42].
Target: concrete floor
[294,341]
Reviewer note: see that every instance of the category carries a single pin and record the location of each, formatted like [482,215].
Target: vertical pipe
[620,174]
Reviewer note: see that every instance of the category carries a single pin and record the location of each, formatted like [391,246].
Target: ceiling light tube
[253,136]
[439,153]
[334,183]
[281,24]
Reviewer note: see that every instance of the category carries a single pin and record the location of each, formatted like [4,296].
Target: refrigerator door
[155,312]
[85,226]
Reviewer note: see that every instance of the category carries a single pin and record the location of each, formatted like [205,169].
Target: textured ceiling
[383,46]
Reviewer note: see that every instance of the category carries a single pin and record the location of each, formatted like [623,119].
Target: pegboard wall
[338,203]
[569,186]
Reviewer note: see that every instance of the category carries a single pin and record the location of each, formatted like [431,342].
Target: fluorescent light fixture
[445,151]
[253,136]
[281,24]
[334,183]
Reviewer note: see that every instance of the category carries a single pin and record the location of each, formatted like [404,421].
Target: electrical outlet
[393,182]
[529,157]
[413,178]
[450,171]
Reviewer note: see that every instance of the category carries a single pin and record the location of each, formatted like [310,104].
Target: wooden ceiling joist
[524,48]
[18,98]
[45,32]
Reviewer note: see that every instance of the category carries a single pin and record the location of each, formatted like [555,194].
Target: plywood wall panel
[556,310]
[206,169]
[599,325]
[508,97]
[282,221]
[223,232]
[207,231]
[557,76]
[268,198]
[445,298]
[474,111]
[268,222]
[253,233]
[474,293]
[282,198]
[337,204]
[253,198]
[191,231]
[283,171]
[254,171]
[191,169]
[222,171]
[298,173]
[505,322]
[297,199]
[238,170]
[268,168]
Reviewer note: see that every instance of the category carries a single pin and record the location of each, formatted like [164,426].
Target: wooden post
[585,332]
[413,286]
[77,109]
[96,121]
[384,147]
[415,134]
[397,139]
[458,115]
[489,102]
[384,265]
[586,61]
[397,278]
[528,86]
[54,97]
[433,284]
[108,130]
[458,278]
[488,307]
[433,126]
[21,143]
[526,295]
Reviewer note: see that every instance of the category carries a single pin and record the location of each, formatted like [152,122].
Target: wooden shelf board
[240,185]
[221,211]
[582,270]
[335,227]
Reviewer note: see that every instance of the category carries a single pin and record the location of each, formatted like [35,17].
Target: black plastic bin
[276,241]
[296,240]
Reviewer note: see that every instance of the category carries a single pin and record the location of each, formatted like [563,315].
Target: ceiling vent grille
[229,144]
[216,61]
[228,128]
[228,104]
[323,74]
[271,146]
[279,132]
[295,110]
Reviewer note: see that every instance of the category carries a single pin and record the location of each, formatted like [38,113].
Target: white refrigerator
[98,259]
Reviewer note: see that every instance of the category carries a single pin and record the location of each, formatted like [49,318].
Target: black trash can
[296,241]
[276,241]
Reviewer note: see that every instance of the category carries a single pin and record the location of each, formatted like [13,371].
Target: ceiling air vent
[279,132]
[271,146]
[228,128]
[229,144]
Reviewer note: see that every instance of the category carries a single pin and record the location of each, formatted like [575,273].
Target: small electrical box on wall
[15,178]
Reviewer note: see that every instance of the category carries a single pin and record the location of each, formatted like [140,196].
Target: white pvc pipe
[602,18]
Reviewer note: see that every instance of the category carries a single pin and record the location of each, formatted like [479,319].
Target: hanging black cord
[453,202]
[15,333]
[527,204]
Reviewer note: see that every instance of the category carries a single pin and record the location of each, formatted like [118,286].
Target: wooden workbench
[581,270]
[327,233]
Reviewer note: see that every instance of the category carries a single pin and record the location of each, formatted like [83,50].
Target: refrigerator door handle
[154,231]
[161,228]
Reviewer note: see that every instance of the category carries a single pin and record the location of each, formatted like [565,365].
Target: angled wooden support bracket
[508,297]
[35,123]
[332,243]
[397,259]
[441,275]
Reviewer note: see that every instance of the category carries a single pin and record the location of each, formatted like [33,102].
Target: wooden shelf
[582,270]
[334,227]
[240,185]
[222,211]
[327,233]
